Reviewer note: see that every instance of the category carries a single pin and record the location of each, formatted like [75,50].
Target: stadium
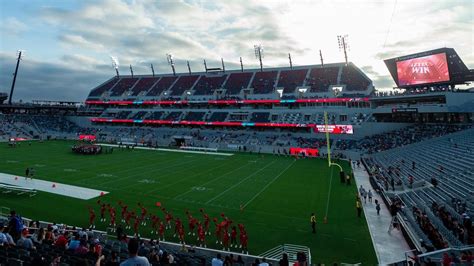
[288,164]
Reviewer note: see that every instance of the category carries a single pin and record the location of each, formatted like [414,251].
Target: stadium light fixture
[169,58]
[115,64]
[321,56]
[343,45]
[258,48]
[152,70]
[20,54]
[241,65]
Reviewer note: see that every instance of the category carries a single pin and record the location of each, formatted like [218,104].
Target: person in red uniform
[225,240]
[91,218]
[124,210]
[177,226]
[233,237]
[201,235]
[102,212]
[168,218]
[128,217]
[206,224]
[192,225]
[112,217]
[154,224]
[218,230]
[161,231]
[181,234]
[135,225]
[143,214]
[244,241]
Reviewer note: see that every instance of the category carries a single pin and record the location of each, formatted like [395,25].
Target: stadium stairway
[390,247]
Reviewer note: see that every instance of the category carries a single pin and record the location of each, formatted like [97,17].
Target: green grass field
[279,194]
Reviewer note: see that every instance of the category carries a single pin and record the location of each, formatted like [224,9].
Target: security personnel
[313,222]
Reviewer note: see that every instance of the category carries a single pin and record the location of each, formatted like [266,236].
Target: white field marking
[39,165]
[210,181]
[147,181]
[47,186]
[12,161]
[268,184]
[329,193]
[105,175]
[350,239]
[199,188]
[70,170]
[179,180]
[128,176]
[118,165]
[252,161]
[173,150]
[186,178]
[240,182]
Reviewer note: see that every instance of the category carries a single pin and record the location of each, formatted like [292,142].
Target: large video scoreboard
[435,67]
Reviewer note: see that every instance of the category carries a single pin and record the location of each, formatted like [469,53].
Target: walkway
[389,247]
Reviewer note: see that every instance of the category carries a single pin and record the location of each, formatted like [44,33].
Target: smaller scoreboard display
[423,70]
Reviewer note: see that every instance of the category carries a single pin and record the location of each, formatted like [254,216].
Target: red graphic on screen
[308,152]
[87,137]
[421,70]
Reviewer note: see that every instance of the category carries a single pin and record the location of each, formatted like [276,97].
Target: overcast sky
[68,43]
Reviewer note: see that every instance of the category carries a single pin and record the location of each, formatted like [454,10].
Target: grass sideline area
[279,194]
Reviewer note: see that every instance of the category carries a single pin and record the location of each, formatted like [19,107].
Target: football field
[278,194]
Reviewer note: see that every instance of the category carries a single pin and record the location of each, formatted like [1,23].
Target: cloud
[48,81]
[11,26]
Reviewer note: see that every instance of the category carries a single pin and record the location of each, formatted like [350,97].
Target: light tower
[241,65]
[291,63]
[115,64]
[259,54]
[189,67]
[169,58]
[131,70]
[152,70]
[20,53]
[343,44]
[321,56]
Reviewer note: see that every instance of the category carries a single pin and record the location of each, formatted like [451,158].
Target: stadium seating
[183,84]
[218,116]
[290,79]
[237,81]
[173,116]
[264,82]
[139,115]
[123,114]
[155,115]
[262,117]
[320,79]
[194,116]
[162,85]
[104,87]
[143,85]
[439,212]
[122,86]
[208,84]
[353,79]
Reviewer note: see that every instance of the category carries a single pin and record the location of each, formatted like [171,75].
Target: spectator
[217,261]
[284,260]
[134,259]
[24,240]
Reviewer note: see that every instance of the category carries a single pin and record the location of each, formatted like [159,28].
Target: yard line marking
[241,181]
[186,178]
[210,181]
[162,168]
[267,185]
